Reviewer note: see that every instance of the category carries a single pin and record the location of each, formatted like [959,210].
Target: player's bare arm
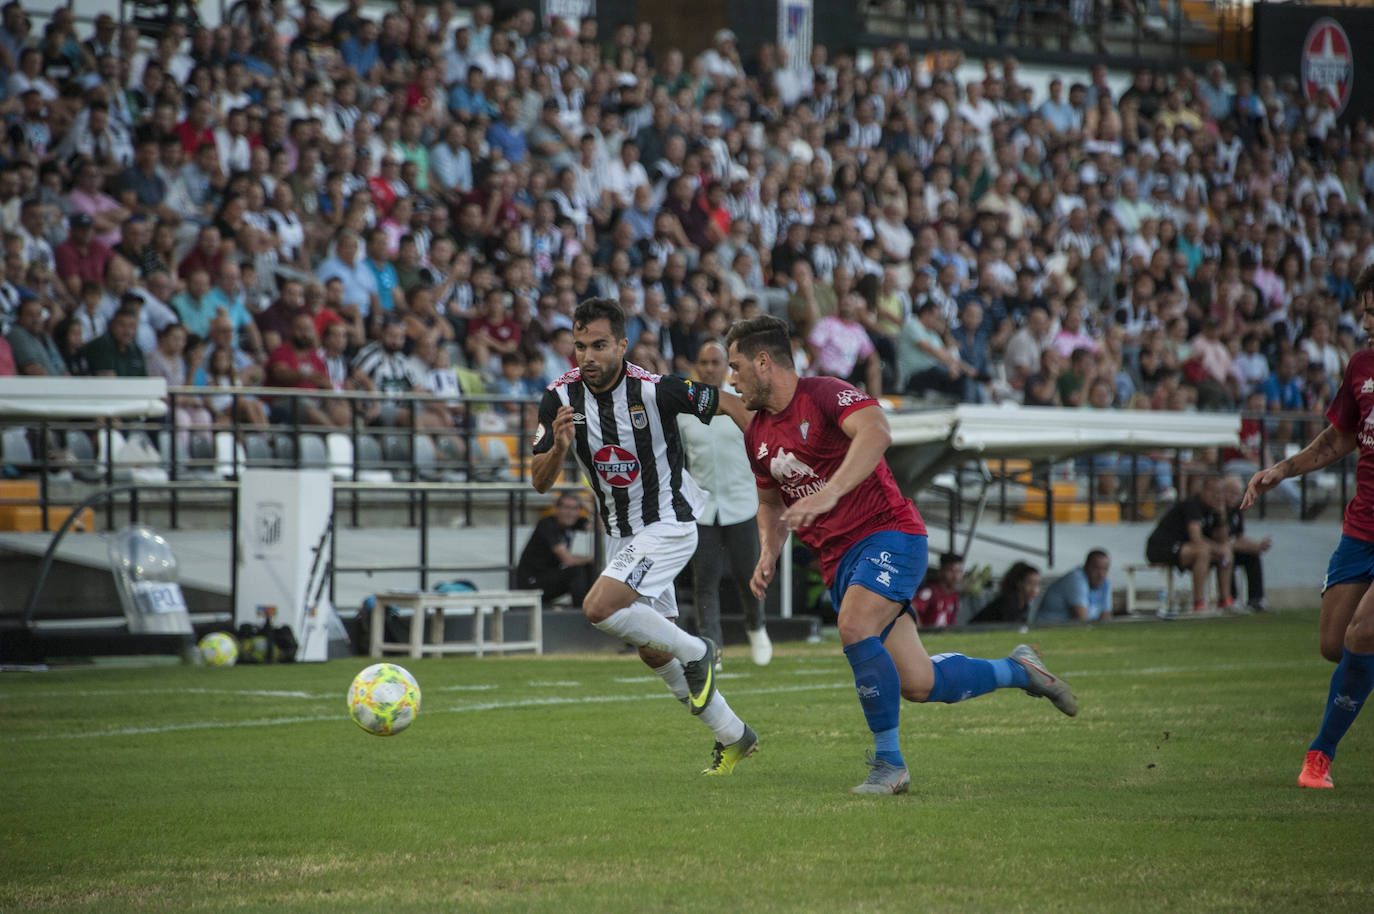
[544,468]
[772,536]
[1330,445]
[870,436]
[734,408]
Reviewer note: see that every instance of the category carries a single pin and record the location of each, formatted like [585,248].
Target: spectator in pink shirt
[88,198]
[1213,375]
[1071,336]
[839,343]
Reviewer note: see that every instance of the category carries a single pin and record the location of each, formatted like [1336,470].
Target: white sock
[672,676]
[723,723]
[642,627]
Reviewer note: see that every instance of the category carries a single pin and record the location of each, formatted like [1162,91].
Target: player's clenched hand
[763,576]
[1261,482]
[563,427]
[805,511]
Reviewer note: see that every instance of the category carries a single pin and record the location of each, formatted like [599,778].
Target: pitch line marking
[562,700]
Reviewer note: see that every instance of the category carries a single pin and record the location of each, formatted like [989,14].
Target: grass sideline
[571,784]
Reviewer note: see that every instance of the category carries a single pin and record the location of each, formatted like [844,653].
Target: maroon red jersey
[935,607]
[1352,411]
[799,449]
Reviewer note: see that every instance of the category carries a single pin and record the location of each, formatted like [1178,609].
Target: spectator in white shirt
[625,173]
[720,62]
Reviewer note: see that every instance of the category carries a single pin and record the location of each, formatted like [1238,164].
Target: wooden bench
[477,604]
[1136,603]
[1173,580]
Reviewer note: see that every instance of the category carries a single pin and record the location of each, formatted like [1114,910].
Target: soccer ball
[384,699]
[219,649]
[254,649]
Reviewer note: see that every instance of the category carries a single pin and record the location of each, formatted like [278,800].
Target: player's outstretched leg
[735,740]
[617,609]
[1351,683]
[951,678]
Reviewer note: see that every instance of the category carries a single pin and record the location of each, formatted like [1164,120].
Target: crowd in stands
[391,202]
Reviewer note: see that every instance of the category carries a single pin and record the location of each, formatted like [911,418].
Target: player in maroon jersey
[816,447]
[1347,619]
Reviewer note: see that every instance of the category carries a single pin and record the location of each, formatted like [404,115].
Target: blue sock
[1010,674]
[880,694]
[958,677]
[1350,686]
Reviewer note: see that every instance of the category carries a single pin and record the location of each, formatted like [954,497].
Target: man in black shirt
[1245,550]
[1190,537]
[547,563]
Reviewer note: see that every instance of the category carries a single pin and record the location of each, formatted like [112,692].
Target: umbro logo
[579,417]
[762,451]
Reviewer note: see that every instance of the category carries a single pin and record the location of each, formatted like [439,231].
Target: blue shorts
[1353,561]
[889,563]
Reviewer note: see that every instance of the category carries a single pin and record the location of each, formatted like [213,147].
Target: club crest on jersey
[1368,386]
[804,428]
[639,418]
[617,466]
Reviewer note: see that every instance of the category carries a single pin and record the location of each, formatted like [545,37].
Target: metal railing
[474,448]
[1145,32]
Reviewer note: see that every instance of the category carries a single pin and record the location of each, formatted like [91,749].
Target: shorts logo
[639,418]
[633,579]
[616,465]
[884,557]
[884,579]
[624,558]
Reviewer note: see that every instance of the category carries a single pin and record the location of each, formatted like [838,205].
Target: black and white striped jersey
[628,444]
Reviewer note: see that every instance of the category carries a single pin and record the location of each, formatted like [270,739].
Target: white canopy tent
[927,442]
[29,397]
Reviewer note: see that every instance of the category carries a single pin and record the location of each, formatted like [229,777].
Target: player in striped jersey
[620,421]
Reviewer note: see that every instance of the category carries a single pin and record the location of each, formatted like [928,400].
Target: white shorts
[650,561]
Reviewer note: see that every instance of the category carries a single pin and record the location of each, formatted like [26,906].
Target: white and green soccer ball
[219,649]
[384,699]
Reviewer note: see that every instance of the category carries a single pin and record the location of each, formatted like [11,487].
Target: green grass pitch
[572,784]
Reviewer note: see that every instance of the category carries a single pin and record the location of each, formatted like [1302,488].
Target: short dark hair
[950,558]
[764,333]
[1365,282]
[595,309]
[1096,554]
